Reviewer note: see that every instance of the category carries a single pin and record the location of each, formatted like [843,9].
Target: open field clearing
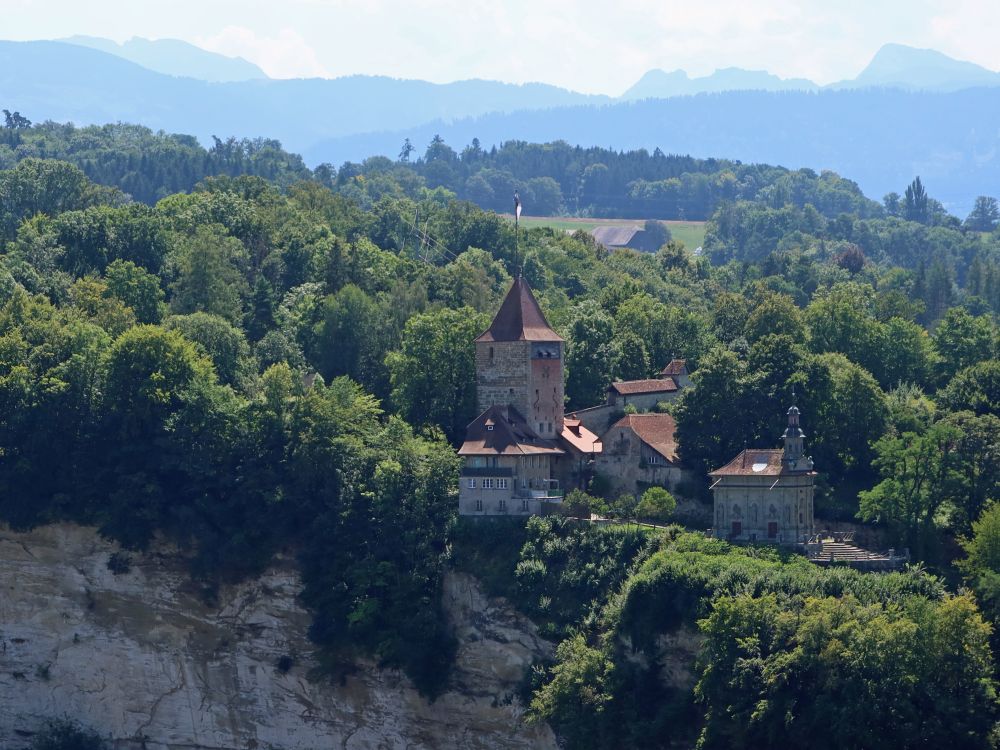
[691,233]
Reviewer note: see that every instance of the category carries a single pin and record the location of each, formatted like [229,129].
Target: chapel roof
[519,318]
[756,462]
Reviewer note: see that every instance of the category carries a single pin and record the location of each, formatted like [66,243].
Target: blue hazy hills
[908,112]
[174,57]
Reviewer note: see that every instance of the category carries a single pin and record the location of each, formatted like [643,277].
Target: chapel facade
[767,494]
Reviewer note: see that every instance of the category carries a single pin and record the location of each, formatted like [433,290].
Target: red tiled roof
[756,462]
[519,318]
[655,430]
[579,437]
[510,436]
[676,367]
[653,385]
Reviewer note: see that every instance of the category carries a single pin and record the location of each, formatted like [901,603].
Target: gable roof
[756,462]
[510,436]
[519,318]
[614,236]
[655,430]
[675,367]
[753,462]
[579,437]
[652,385]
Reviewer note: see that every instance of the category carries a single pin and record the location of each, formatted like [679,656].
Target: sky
[594,46]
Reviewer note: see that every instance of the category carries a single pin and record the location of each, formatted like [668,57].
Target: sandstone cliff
[140,657]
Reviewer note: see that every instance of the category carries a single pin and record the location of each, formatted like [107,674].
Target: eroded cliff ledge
[141,658]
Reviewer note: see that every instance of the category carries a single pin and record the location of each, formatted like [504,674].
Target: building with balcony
[520,453]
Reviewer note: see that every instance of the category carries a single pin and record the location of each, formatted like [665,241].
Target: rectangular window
[472,484]
[524,505]
[501,484]
[502,505]
[479,505]
[487,484]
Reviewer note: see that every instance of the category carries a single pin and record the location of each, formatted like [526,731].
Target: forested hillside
[877,137]
[267,363]
[145,165]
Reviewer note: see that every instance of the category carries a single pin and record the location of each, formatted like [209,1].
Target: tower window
[491,354]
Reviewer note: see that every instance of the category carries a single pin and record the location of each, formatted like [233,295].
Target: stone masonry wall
[504,378]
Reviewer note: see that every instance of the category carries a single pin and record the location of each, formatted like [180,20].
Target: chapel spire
[794,437]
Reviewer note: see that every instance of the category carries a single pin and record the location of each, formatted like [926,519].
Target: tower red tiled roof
[519,318]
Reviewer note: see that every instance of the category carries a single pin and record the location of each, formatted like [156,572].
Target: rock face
[141,658]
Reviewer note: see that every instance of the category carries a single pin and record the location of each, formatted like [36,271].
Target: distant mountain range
[175,58]
[894,66]
[909,112]
[898,66]
[59,81]
[659,84]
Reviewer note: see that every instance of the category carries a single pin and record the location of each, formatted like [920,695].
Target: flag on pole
[517,206]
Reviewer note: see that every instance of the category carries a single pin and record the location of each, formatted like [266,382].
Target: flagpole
[517,216]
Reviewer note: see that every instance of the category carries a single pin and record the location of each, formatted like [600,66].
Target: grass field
[691,233]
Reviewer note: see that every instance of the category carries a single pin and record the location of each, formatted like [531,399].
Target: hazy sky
[599,46]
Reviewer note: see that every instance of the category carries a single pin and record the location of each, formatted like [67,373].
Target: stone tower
[519,362]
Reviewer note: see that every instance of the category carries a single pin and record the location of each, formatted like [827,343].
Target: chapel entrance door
[772,529]
[737,529]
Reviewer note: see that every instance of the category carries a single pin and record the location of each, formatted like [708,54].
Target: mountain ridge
[854,131]
[174,57]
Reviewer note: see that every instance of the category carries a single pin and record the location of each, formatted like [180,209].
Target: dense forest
[281,360]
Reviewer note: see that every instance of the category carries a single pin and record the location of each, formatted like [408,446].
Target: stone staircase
[833,551]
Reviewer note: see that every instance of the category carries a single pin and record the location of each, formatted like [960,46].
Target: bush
[656,505]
